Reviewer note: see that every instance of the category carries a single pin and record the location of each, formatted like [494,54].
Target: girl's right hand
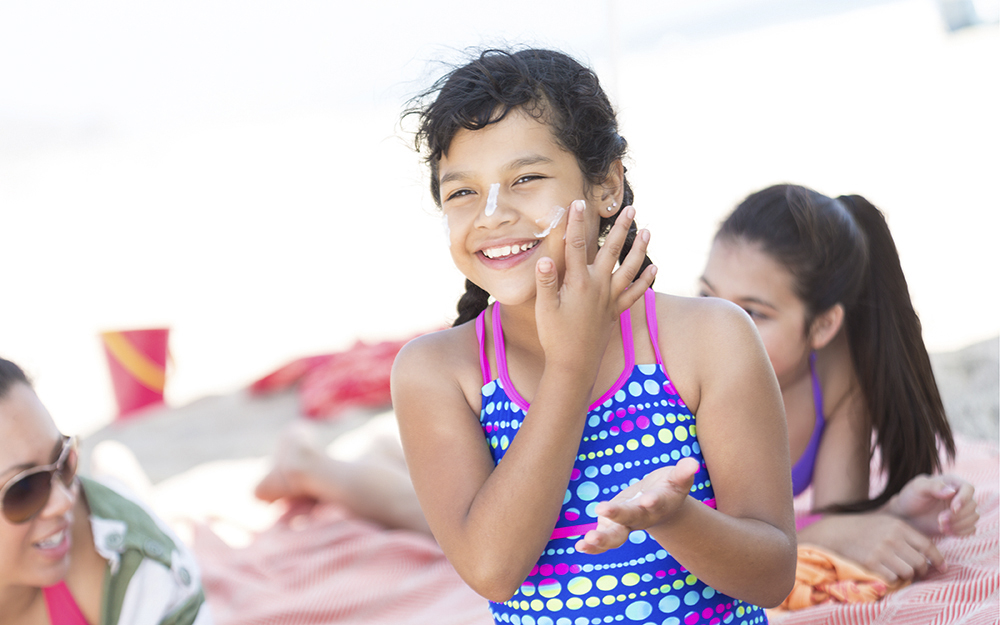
[650,501]
[880,542]
[575,317]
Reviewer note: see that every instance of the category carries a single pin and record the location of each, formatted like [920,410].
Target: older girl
[821,279]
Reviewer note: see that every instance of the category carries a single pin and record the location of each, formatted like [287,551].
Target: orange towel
[823,577]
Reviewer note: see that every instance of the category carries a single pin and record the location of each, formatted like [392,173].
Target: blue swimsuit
[637,426]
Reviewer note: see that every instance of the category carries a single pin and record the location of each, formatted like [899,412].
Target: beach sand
[199,462]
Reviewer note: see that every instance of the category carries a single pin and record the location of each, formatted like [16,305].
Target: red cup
[137,360]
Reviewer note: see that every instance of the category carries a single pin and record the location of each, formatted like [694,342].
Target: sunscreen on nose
[446,229]
[491,199]
[553,218]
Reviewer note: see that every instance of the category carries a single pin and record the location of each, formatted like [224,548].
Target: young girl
[821,279]
[517,421]
[73,551]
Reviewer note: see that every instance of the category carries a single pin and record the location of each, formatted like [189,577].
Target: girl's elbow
[781,582]
[492,582]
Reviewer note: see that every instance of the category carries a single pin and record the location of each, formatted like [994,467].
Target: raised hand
[649,502]
[576,315]
[939,504]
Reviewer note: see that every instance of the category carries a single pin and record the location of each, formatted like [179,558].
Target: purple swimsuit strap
[802,472]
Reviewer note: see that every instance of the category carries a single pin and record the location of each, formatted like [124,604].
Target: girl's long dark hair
[840,251]
[546,84]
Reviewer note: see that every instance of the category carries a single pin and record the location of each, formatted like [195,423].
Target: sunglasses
[26,494]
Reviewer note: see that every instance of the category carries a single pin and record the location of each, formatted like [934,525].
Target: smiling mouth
[52,541]
[504,251]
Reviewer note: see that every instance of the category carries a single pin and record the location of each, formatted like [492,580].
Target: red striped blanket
[967,594]
[323,567]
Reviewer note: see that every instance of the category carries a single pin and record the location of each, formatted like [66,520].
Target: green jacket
[152,577]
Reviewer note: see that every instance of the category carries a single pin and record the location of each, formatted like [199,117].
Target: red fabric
[329,384]
[320,566]
[62,607]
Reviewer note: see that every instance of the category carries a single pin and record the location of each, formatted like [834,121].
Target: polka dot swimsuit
[639,425]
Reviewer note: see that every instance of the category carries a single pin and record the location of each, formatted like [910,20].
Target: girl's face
[505,195]
[744,274]
[36,552]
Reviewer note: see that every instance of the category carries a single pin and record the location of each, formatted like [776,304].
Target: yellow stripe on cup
[147,372]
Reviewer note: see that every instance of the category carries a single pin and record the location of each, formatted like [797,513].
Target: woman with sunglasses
[74,551]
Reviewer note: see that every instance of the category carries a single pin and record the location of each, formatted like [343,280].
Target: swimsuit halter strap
[625,321]
[484,362]
[651,324]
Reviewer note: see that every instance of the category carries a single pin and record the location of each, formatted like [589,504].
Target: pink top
[62,606]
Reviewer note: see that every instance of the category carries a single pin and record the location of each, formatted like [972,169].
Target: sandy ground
[200,462]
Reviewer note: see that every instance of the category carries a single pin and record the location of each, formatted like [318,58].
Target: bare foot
[297,452]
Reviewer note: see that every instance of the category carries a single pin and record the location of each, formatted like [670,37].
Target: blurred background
[237,170]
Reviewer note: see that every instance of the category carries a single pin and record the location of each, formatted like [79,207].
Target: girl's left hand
[649,502]
[576,316]
[937,504]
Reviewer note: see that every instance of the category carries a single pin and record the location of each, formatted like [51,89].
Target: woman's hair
[547,85]
[10,374]
[840,251]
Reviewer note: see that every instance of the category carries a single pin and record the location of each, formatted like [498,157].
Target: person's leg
[376,486]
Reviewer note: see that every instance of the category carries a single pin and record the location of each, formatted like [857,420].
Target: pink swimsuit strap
[484,362]
[651,324]
[625,321]
[62,607]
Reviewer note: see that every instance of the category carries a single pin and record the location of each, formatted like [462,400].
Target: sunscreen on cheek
[553,219]
[491,199]
[446,230]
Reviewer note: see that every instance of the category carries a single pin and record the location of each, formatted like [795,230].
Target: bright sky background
[236,171]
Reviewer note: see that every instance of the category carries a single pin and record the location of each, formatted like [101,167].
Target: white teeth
[507,250]
[52,540]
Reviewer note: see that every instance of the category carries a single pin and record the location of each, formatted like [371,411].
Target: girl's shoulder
[696,320]
[449,342]
[447,357]
[698,335]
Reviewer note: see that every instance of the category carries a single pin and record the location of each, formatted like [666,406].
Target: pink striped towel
[967,594]
[324,567]
[317,566]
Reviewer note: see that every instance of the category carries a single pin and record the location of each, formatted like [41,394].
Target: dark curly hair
[547,85]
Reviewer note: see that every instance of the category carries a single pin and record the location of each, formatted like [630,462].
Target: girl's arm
[892,541]
[491,521]
[746,546]
[494,521]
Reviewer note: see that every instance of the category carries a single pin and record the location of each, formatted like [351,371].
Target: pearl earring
[611,208]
